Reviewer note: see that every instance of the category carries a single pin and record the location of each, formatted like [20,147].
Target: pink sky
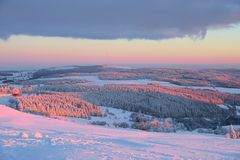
[218,47]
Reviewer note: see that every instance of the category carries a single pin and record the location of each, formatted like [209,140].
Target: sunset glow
[218,47]
[36,34]
[119,79]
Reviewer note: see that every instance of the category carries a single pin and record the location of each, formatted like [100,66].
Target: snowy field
[25,136]
[96,81]
[221,89]
[114,116]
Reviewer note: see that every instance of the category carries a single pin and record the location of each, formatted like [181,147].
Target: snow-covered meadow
[25,136]
[112,116]
[96,81]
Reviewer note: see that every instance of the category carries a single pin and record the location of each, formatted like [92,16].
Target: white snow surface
[238,110]
[4,99]
[223,106]
[25,136]
[96,81]
[113,115]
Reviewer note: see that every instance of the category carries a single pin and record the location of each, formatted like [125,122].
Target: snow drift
[25,136]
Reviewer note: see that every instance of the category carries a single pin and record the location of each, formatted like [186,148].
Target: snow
[4,99]
[238,110]
[228,128]
[223,106]
[96,81]
[63,140]
[221,89]
[228,90]
[234,126]
[113,115]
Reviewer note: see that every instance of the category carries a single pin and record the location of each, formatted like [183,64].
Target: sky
[44,33]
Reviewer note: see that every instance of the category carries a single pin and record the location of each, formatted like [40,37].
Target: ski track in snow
[63,140]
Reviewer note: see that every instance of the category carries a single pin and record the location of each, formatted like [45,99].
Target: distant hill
[75,69]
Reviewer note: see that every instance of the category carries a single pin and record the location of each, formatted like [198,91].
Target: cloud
[113,19]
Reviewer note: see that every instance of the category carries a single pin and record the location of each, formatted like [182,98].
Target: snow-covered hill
[25,136]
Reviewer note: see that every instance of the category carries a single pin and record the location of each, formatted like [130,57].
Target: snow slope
[25,136]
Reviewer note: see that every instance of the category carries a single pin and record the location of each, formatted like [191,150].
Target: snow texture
[25,136]
[96,81]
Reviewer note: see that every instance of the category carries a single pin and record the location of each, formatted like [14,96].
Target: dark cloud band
[112,19]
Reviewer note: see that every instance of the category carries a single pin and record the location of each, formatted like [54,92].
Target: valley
[75,105]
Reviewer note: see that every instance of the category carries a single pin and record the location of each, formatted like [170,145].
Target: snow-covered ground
[1,83]
[112,115]
[221,89]
[96,81]
[25,136]
[4,99]
[223,106]
[238,110]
